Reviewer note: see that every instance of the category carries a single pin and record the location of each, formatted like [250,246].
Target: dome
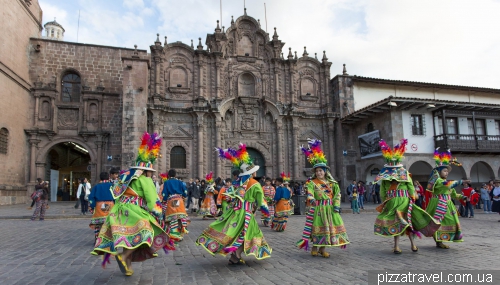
[54,23]
[54,30]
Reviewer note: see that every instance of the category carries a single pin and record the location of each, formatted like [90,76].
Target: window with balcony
[451,124]
[497,128]
[480,129]
[417,125]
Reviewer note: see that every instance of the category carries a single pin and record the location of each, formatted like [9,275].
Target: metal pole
[265,15]
[78,29]
[70,183]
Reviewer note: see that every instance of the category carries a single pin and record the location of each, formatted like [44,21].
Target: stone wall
[19,22]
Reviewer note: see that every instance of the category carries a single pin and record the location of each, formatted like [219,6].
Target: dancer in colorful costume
[221,201]
[173,195]
[237,231]
[441,206]
[208,206]
[282,200]
[135,223]
[324,226]
[269,193]
[101,201]
[399,214]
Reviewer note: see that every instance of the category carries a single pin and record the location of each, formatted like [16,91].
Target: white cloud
[131,4]
[451,42]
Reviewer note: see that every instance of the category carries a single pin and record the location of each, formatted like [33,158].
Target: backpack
[37,195]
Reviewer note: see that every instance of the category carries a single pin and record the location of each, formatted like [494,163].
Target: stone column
[157,75]
[33,146]
[218,67]
[292,85]
[279,145]
[98,143]
[331,148]
[54,113]
[276,84]
[218,162]
[100,115]
[37,107]
[85,108]
[40,170]
[200,144]
[201,86]
[295,136]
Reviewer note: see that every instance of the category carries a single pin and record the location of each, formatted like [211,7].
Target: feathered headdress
[393,157]
[209,178]
[286,179]
[444,159]
[164,177]
[314,153]
[240,158]
[148,151]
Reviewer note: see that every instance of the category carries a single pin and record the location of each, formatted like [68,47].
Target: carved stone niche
[246,59]
[179,90]
[310,98]
[249,100]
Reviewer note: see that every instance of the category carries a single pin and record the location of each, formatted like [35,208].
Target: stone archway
[258,159]
[63,162]
[481,172]
[420,171]
[261,149]
[371,172]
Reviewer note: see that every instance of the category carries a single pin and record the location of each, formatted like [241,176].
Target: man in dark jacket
[190,187]
[195,195]
[376,197]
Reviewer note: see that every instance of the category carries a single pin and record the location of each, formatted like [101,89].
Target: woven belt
[324,202]
[442,196]
[398,193]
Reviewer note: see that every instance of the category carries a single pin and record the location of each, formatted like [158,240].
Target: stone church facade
[238,87]
[74,110]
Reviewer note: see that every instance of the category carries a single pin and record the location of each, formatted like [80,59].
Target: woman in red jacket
[420,191]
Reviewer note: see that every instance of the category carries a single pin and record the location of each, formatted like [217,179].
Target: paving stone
[61,255]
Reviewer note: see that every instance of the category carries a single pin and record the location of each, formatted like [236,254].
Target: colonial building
[464,119]
[75,110]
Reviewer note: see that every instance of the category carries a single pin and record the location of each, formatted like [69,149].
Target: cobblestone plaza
[57,251]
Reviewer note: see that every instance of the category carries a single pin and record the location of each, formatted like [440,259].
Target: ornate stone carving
[266,145]
[248,123]
[67,118]
[306,72]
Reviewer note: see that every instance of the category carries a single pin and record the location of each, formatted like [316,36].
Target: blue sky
[447,41]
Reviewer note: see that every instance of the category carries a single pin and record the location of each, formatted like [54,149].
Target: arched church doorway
[66,163]
[259,160]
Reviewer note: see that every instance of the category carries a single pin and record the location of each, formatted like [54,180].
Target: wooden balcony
[468,143]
